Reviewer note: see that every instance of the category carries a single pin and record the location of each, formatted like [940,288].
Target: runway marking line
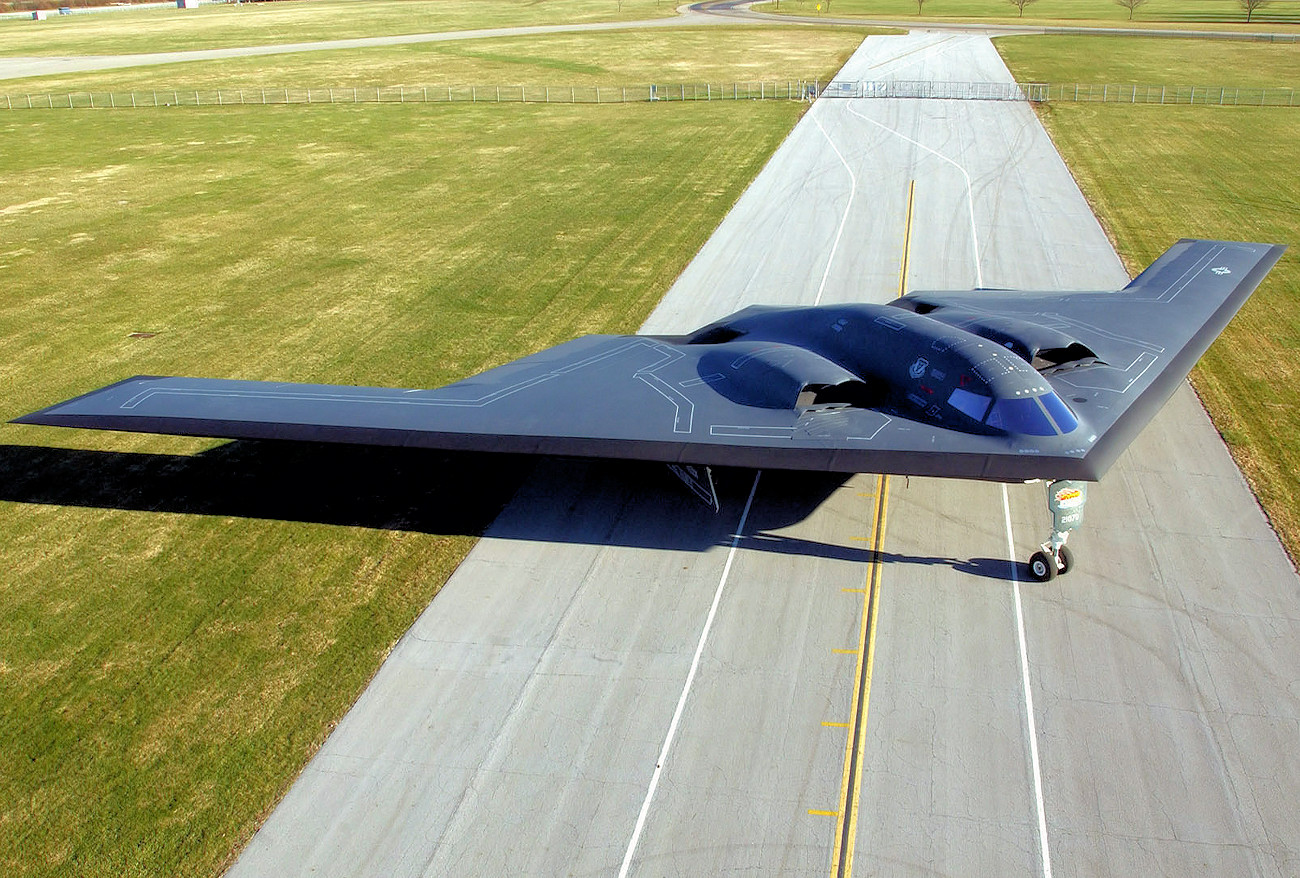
[855,590]
[907,239]
[850,787]
[816,813]
[846,830]
[834,725]
[690,679]
[1044,850]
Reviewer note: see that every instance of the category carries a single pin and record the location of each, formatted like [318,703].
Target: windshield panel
[1060,412]
[1023,416]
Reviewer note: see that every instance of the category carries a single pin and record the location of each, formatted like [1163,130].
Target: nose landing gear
[1065,500]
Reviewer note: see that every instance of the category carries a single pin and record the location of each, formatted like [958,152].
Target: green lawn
[178,633]
[1098,59]
[1154,174]
[258,24]
[697,54]
[1199,14]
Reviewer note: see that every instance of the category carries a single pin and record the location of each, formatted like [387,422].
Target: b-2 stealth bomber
[1000,385]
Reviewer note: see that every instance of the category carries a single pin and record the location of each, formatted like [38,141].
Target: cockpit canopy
[1043,415]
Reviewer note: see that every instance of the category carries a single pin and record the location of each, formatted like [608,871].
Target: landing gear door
[1065,500]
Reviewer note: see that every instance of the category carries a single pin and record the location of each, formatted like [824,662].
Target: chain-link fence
[732,91]
[1043,91]
[528,94]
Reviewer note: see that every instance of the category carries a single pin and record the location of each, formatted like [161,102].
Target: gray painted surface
[516,727]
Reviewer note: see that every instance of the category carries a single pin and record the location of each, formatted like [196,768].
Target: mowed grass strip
[179,632]
[1280,15]
[1154,174]
[259,24]
[1102,59]
[697,54]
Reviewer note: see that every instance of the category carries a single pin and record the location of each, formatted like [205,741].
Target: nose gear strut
[1065,500]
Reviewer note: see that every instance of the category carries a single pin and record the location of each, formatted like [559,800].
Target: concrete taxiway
[835,676]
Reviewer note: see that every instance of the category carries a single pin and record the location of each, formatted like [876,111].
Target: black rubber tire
[1042,567]
[1067,560]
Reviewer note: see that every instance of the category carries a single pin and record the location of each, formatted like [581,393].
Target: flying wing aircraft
[999,385]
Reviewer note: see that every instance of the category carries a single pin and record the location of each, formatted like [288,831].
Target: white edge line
[970,192]
[686,689]
[853,193]
[1044,852]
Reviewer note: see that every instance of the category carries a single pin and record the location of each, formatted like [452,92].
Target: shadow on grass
[594,502]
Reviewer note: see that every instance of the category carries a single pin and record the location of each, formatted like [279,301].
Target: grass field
[260,24]
[1154,174]
[1099,59]
[1200,14]
[181,621]
[704,54]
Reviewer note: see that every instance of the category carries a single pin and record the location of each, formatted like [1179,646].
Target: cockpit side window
[973,405]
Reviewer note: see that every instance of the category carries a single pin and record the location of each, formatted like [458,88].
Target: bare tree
[919,4]
[1130,5]
[1021,4]
[1251,5]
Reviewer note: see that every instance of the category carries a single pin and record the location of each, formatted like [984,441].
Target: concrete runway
[618,681]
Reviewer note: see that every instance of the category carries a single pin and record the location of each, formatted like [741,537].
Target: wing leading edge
[979,384]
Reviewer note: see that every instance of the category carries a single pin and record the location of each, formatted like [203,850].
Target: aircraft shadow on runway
[632,504]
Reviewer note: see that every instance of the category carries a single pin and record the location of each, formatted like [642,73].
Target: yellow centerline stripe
[842,860]
[847,828]
[907,239]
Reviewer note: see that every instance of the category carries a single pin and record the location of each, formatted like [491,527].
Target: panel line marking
[690,679]
[1043,852]
[846,831]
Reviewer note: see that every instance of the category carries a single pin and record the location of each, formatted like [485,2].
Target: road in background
[617,680]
